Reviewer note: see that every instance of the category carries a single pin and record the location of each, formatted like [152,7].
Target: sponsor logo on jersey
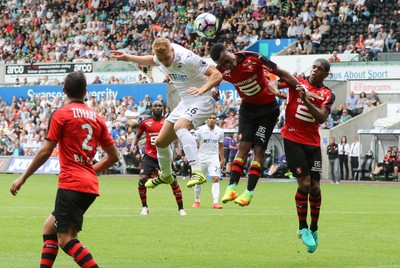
[179,77]
[149,123]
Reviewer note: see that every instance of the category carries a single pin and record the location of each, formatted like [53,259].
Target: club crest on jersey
[227,73]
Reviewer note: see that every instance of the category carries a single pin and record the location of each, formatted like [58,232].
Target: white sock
[189,147]
[197,191]
[215,192]
[164,160]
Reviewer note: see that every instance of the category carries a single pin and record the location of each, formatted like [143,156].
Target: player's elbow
[216,76]
[114,157]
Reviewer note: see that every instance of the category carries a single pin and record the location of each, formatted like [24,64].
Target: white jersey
[209,141]
[187,70]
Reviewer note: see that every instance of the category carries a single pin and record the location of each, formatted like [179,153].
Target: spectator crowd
[79,31]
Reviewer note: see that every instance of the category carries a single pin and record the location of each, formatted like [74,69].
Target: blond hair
[161,46]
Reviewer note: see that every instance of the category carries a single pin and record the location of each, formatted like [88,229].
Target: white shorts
[196,112]
[211,167]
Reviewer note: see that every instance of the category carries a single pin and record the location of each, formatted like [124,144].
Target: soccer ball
[206,25]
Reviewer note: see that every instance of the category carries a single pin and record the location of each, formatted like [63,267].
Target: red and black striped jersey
[300,126]
[249,78]
[152,128]
[78,130]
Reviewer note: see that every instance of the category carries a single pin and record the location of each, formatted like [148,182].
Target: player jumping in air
[193,78]
[258,112]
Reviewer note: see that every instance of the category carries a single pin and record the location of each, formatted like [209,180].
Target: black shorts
[150,166]
[303,160]
[70,207]
[256,122]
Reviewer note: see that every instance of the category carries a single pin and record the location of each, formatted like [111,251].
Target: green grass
[359,227]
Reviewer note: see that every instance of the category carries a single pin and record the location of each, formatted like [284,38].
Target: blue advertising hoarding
[137,91]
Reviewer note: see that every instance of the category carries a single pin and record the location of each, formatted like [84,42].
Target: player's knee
[304,184]
[142,181]
[160,144]
[315,189]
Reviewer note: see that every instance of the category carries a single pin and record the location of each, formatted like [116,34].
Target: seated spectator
[351,102]
[277,26]
[329,123]
[141,108]
[373,97]
[291,31]
[299,28]
[365,14]
[378,45]
[132,117]
[360,42]
[316,38]
[387,166]
[374,26]
[324,28]
[345,116]
[307,46]
[334,15]
[397,48]
[369,42]
[307,30]
[361,103]
[349,49]
[279,169]
[368,106]
[390,42]
[183,167]
[304,17]
[116,132]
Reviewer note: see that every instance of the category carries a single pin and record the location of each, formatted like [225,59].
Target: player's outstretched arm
[41,158]
[287,77]
[112,156]
[123,56]
[214,78]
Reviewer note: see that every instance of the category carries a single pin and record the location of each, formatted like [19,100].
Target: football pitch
[359,227]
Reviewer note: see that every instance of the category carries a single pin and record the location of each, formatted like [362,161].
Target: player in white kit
[193,78]
[211,153]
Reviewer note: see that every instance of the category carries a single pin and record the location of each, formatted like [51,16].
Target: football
[206,25]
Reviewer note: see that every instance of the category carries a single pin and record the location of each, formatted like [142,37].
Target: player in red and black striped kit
[309,104]
[258,112]
[150,167]
[77,130]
